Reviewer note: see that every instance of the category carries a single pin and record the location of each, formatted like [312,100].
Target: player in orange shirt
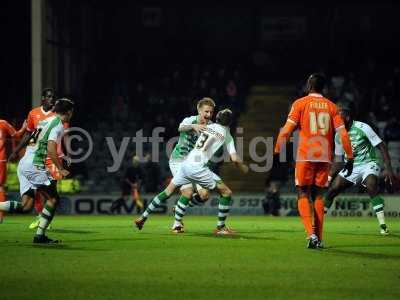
[6,131]
[34,117]
[317,118]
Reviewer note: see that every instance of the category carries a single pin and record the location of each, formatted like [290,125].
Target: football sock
[156,202]
[2,199]
[305,213]
[223,210]
[137,199]
[377,205]
[196,200]
[319,216]
[45,219]
[38,203]
[180,208]
[328,203]
[11,206]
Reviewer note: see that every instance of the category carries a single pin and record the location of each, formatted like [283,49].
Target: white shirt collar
[315,95]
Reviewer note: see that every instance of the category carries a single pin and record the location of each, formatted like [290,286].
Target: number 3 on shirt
[319,122]
[202,139]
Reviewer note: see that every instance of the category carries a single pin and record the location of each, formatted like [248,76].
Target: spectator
[350,92]
[275,179]
[151,176]
[119,110]
[203,88]
[221,80]
[130,186]
[231,89]
[392,130]
[382,108]
[232,100]
[337,83]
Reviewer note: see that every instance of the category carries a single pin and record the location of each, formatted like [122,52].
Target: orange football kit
[317,119]
[6,131]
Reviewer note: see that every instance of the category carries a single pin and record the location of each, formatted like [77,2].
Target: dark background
[133,65]
[142,39]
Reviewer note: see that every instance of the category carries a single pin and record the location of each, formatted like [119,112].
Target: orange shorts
[53,170]
[3,172]
[312,173]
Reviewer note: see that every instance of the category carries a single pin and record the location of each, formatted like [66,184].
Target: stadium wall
[348,205]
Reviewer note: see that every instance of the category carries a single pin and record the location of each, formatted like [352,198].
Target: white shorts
[361,172]
[30,176]
[174,166]
[196,174]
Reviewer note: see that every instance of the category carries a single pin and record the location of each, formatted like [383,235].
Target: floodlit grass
[105,258]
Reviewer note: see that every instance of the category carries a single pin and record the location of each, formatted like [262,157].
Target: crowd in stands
[162,101]
[165,99]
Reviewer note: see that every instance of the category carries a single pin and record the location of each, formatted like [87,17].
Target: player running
[194,170]
[189,130]
[6,131]
[35,116]
[316,117]
[32,172]
[366,169]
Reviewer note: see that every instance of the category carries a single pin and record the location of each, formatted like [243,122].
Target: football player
[316,118]
[33,174]
[194,170]
[189,130]
[366,169]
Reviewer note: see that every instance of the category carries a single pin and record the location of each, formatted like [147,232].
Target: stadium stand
[143,105]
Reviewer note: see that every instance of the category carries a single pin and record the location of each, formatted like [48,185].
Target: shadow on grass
[63,246]
[232,237]
[69,245]
[366,246]
[114,240]
[392,235]
[72,231]
[211,235]
[379,256]
[238,236]
[263,231]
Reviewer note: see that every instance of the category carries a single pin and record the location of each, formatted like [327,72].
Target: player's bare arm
[389,175]
[22,144]
[21,131]
[238,162]
[345,139]
[337,165]
[284,135]
[196,127]
[52,153]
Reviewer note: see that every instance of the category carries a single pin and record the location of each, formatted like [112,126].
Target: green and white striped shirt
[363,142]
[187,139]
[49,129]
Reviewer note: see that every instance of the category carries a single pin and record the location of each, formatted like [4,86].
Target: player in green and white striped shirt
[189,130]
[32,173]
[366,168]
[194,170]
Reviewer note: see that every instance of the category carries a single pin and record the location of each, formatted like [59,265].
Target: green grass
[104,258]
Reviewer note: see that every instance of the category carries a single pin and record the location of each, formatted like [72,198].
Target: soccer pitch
[105,258]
